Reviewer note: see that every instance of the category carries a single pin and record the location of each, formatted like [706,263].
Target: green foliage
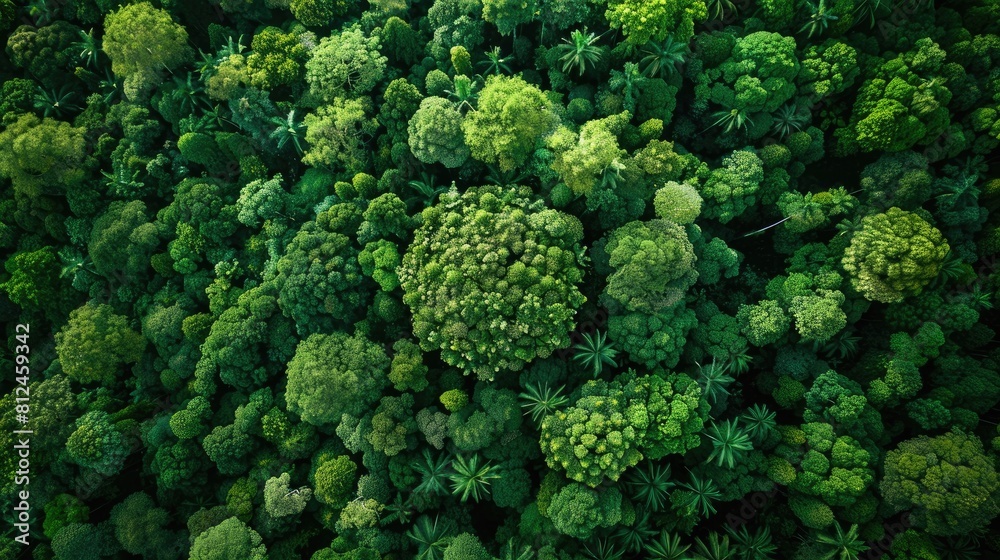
[344,62]
[142,42]
[435,133]
[577,510]
[510,117]
[461,298]
[595,352]
[894,255]
[263,307]
[653,264]
[641,21]
[470,478]
[229,540]
[335,374]
[729,442]
[337,135]
[97,444]
[947,482]
[95,343]
[42,156]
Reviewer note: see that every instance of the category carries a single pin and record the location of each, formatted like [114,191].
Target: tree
[948,483]
[653,266]
[122,241]
[142,42]
[643,21]
[229,540]
[732,188]
[141,528]
[317,13]
[34,280]
[319,278]
[42,156]
[579,51]
[95,343]
[335,374]
[502,295]
[508,14]
[904,104]
[763,323]
[337,135]
[894,255]
[510,118]
[44,52]
[653,339]
[577,511]
[595,439]
[677,202]
[97,444]
[335,480]
[435,133]
[276,60]
[282,501]
[261,200]
[583,159]
[345,62]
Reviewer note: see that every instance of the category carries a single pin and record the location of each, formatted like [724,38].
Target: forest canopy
[500,280]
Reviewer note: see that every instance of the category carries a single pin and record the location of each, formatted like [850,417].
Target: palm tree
[595,351]
[718,8]
[715,547]
[191,93]
[55,103]
[631,537]
[789,119]
[729,442]
[464,93]
[87,48]
[964,547]
[732,120]
[703,493]
[495,63]
[869,9]
[667,547]
[433,473]
[541,400]
[714,381]
[819,19]
[753,546]
[663,59]
[651,485]
[427,190]
[43,11]
[511,551]
[760,422]
[288,129]
[399,510]
[579,51]
[841,545]
[469,479]
[431,537]
[600,549]
[839,348]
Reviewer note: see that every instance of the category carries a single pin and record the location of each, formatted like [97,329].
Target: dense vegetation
[512,279]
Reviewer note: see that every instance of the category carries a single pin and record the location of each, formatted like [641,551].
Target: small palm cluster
[467,477]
